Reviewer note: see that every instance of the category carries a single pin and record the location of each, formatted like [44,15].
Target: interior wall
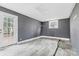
[27,27]
[62,31]
[74,28]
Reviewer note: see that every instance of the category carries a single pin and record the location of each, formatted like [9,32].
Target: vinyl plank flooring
[65,49]
[39,47]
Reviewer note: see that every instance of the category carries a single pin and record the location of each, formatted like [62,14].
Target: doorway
[8,29]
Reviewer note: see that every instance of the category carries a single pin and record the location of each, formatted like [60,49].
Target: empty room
[39,29]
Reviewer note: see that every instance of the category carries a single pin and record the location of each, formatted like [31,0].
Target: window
[8,26]
[53,24]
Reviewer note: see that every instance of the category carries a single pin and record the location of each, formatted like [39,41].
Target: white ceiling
[42,11]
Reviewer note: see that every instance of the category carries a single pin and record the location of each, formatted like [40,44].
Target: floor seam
[56,48]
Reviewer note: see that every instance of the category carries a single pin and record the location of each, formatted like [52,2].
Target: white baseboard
[50,37]
[27,40]
[58,38]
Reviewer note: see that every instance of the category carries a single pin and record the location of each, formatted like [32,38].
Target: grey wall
[62,31]
[27,27]
[74,28]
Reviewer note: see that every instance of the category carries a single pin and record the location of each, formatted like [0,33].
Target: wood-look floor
[38,47]
[65,49]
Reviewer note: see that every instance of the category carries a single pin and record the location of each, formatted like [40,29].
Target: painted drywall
[27,27]
[62,31]
[74,28]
